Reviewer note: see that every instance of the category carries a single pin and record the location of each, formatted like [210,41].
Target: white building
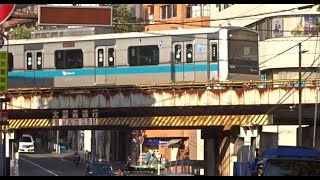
[280,27]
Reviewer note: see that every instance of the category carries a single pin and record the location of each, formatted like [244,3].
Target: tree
[122,19]
[21,32]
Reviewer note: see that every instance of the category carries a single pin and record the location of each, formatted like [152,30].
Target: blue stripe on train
[111,71]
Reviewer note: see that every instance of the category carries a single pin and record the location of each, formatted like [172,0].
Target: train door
[110,64]
[184,67]
[33,68]
[213,60]
[100,70]
[105,62]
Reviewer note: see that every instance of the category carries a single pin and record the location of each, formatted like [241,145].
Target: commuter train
[171,56]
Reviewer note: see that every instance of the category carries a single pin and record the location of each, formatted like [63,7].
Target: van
[26,143]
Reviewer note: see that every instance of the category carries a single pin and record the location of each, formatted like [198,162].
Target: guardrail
[185,166]
[84,156]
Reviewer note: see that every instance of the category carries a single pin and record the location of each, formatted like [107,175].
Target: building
[281,27]
[174,16]
[277,23]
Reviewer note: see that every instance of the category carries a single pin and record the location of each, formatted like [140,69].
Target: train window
[214,53]
[39,60]
[143,55]
[68,59]
[189,53]
[29,61]
[100,57]
[111,57]
[177,53]
[10,61]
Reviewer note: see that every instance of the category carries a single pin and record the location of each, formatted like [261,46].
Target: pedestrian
[148,157]
[154,160]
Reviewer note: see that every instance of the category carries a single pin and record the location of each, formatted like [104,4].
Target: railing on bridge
[180,85]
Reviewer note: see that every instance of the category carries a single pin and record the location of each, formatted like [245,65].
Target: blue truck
[283,161]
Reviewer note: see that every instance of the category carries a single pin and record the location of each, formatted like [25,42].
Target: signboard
[75,117]
[3,72]
[75,15]
[5,11]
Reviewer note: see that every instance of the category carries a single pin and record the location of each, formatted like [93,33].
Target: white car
[26,143]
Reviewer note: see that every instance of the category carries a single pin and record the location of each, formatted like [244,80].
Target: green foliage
[21,32]
[122,19]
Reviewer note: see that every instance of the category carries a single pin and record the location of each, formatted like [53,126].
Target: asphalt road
[47,165]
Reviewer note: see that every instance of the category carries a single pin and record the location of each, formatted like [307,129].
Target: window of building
[224,6]
[169,11]
[286,26]
[197,10]
[68,59]
[143,55]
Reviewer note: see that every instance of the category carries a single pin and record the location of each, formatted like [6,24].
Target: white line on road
[39,166]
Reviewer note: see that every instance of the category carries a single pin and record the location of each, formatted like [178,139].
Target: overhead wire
[287,95]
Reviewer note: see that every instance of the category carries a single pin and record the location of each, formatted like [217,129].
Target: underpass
[43,164]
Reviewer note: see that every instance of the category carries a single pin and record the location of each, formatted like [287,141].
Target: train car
[187,55]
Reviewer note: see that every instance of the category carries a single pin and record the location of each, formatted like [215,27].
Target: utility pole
[300,94]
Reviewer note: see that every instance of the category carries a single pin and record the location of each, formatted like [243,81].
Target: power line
[284,98]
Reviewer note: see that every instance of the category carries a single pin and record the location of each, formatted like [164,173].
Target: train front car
[238,54]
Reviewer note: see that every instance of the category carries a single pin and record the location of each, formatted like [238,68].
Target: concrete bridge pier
[211,138]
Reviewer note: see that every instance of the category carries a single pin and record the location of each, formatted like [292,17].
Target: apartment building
[280,27]
[175,16]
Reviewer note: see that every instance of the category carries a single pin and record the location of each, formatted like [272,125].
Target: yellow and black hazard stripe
[29,123]
[186,121]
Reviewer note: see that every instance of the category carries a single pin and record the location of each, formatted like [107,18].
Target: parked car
[99,168]
[26,144]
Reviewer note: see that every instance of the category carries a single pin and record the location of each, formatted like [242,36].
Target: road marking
[39,166]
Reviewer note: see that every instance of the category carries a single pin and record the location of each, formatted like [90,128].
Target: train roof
[121,35]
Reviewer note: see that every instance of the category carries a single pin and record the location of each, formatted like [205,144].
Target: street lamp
[300,96]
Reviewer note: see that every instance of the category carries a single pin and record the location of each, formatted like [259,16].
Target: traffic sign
[5,11]
[3,72]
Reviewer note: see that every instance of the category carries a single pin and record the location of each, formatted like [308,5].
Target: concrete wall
[287,134]
[307,136]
